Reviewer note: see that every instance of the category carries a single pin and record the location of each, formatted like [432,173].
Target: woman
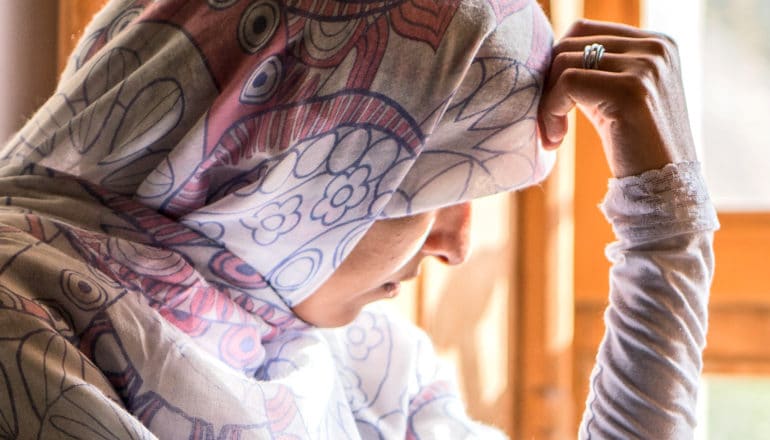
[216,181]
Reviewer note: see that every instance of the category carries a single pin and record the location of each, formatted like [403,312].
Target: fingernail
[553,134]
[555,129]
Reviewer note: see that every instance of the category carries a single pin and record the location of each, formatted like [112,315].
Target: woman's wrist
[659,203]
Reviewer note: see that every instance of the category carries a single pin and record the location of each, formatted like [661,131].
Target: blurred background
[522,319]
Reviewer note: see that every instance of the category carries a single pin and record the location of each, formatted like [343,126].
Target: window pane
[736,102]
[724,46]
[734,407]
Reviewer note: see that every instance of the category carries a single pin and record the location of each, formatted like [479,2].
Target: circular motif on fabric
[149,261]
[274,220]
[235,271]
[314,154]
[212,230]
[263,83]
[344,192]
[356,335]
[297,270]
[363,336]
[257,26]
[221,4]
[122,21]
[351,381]
[83,291]
[381,156]
[241,347]
[325,39]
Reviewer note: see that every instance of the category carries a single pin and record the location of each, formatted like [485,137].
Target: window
[726,62]
[736,102]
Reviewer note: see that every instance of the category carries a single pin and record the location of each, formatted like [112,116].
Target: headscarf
[282,130]
[242,147]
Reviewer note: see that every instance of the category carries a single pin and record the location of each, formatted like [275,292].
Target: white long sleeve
[645,381]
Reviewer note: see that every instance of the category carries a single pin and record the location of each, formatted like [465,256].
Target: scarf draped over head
[214,162]
[281,130]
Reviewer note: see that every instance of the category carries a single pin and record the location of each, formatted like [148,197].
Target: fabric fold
[204,165]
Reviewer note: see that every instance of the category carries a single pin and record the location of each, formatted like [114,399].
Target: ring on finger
[592,55]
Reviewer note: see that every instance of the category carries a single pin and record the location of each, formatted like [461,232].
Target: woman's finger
[610,62]
[614,44]
[587,27]
[589,88]
[634,97]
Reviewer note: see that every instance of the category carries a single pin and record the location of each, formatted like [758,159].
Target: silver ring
[592,54]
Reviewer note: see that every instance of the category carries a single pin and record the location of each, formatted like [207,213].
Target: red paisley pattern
[210,162]
[424,20]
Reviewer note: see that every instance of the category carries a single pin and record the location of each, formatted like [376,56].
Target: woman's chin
[333,318]
[330,315]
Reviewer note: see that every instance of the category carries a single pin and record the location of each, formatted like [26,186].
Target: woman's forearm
[645,381]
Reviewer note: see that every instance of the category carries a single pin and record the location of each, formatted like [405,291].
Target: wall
[28,59]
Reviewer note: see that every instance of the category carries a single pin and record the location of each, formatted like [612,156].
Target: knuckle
[658,47]
[578,26]
[560,61]
[571,76]
[664,47]
[650,67]
[670,41]
[582,22]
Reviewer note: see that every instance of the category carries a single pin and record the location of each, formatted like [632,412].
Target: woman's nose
[450,237]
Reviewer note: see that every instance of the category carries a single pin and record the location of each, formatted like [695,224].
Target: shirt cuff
[659,204]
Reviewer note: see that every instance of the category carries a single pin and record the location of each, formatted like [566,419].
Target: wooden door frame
[562,282]
[74,15]
[739,310]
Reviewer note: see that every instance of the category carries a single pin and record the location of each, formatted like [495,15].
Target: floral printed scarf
[205,165]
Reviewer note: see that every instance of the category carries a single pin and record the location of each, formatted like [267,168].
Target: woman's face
[389,252]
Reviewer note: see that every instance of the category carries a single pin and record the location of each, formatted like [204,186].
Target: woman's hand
[634,99]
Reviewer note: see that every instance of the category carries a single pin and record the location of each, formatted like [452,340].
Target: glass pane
[736,102]
[734,407]
[724,46]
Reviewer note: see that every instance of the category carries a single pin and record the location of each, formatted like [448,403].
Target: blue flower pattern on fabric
[231,188]
[363,336]
[344,192]
[351,382]
[274,220]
